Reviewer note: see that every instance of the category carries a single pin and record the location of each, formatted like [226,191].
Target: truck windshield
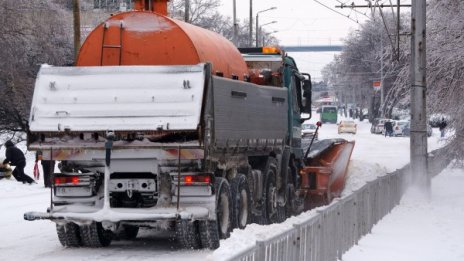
[266,72]
[273,66]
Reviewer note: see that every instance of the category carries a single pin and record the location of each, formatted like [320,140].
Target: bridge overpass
[312,48]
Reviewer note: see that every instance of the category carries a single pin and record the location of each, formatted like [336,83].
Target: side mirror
[307,93]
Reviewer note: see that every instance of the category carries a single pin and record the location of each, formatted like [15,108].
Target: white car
[399,126]
[308,130]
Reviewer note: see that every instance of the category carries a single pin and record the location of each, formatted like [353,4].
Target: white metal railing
[335,228]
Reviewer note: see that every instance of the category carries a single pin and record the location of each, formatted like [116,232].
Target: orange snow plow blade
[323,178]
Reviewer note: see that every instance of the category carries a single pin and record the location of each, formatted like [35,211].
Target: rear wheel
[223,207]
[209,235]
[94,235]
[187,234]
[275,210]
[69,235]
[241,201]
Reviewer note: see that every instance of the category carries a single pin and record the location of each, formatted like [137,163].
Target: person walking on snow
[388,128]
[15,157]
[442,127]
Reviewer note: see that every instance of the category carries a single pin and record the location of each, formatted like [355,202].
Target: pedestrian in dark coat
[442,127]
[388,128]
[15,157]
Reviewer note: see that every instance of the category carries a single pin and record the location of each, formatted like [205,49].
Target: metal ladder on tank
[106,46]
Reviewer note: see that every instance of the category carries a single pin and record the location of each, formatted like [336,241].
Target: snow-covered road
[373,155]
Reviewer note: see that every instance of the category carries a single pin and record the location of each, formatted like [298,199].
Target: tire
[187,234]
[223,207]
[274,212]
[69,235]
[127,232]
[241,202]
[94,235]
[294,205]
[209,234]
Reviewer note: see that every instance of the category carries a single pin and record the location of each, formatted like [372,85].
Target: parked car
[377,125]
[399,126]
[308,130]
[407,130]
[346,126]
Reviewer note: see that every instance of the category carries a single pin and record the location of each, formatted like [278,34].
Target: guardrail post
[261,250]
[297,242]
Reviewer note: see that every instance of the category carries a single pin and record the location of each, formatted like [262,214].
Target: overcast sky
[304,22]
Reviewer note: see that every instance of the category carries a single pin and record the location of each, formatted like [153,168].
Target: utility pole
[235,24]
[187,11]
[419,163]
[382,94]
[77,28]
[250,39]
[398,26]
[257,30]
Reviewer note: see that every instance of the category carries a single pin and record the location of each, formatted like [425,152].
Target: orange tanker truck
[162,124]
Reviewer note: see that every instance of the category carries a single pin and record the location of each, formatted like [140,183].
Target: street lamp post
[260,32]
[235,24]
[263,40]
[257,22]
[251,24]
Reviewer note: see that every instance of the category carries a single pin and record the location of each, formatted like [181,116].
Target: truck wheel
[127,232]
[187,234]
[94,235]
[69,235]
[295,203]
[223,207]
[290,207]
[241,201]
[209,235]
[274,212]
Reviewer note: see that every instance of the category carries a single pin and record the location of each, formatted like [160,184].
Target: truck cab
[272,66]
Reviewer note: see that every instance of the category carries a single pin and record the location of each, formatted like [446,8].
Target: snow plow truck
[162,124]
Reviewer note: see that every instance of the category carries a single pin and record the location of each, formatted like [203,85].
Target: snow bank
[420,229]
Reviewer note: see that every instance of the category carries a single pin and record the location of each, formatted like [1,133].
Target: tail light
[69,185]
[197,179]
[71,181]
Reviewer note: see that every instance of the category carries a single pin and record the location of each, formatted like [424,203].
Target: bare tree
[32,32]
[353,72]
[445,67]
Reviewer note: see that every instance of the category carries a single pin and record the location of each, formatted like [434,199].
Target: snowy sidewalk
[418,229]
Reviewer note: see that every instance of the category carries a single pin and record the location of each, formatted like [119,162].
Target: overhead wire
[351,7]
[333,10]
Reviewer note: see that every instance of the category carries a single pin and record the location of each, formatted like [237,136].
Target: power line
[333,10]
[352,4]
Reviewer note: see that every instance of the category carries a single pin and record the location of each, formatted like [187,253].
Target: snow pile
[359,173]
